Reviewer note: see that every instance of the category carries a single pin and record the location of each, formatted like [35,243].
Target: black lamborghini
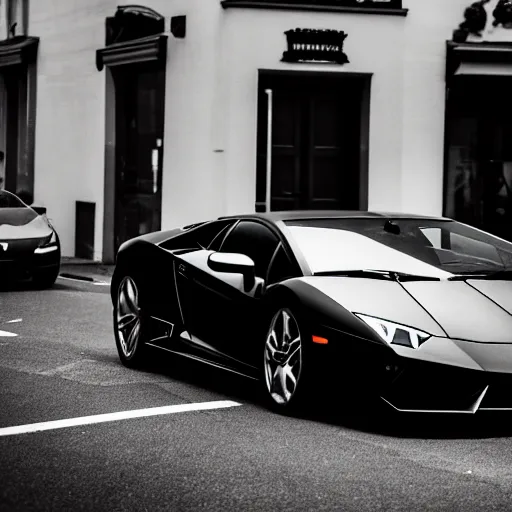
[414,310]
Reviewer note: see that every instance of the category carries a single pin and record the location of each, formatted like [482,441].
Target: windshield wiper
[497,275]
[379,274]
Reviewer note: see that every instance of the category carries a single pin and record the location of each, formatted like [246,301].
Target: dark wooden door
[315,143]
[139,150]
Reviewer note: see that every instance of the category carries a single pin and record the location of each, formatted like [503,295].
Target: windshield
[434,248]
[8,200]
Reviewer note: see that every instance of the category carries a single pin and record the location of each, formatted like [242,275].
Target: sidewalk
[85,270]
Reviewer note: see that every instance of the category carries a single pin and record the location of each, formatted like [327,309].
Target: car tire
[285,375]
[129,323]
[43,279]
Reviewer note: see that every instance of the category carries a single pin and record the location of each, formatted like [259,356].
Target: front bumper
[435,388]
[21,261]
[442,376]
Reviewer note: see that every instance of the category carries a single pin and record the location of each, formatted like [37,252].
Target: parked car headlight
[395,334]
[49,244]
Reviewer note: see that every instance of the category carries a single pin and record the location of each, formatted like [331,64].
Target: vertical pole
[269,151]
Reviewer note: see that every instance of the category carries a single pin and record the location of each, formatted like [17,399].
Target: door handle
[154,167]
[288,193]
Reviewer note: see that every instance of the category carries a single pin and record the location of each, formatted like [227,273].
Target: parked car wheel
[129,323]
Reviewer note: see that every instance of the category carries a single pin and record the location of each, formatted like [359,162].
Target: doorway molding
[148,49]
[133,35]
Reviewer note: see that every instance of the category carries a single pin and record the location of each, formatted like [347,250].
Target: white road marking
[115,416]
[15,321]
[7,334]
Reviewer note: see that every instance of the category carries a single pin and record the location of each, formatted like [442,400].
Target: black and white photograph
[255,255]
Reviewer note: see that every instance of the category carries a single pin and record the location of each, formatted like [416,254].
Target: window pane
[426,247]
[254,240]
[281,268]
[196,237]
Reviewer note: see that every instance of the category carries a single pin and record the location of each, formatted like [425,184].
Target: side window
[254,240]
[281,267]
[219,238]
[202,235]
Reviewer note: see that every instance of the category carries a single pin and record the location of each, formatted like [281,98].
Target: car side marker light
[320,340]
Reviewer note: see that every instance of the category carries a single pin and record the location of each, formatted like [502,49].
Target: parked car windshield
[8,200]
[436,248]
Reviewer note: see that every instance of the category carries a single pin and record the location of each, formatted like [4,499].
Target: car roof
[329,214]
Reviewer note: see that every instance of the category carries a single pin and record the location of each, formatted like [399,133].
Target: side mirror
[40,210]
[234,263]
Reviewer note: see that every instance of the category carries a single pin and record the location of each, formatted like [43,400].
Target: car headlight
[48,245]
[395,334]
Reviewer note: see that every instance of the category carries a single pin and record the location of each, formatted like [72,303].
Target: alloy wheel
[128,316]
[283,357]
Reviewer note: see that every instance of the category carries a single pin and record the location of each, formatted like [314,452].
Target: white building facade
[156,116]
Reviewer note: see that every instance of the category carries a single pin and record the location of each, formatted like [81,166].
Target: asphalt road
[63,364]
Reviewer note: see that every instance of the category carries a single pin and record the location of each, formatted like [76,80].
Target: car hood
[475,310]
[22,223]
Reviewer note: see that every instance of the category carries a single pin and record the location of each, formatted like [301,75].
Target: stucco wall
[429,25]
[192,181]
[211,104]
[70,111]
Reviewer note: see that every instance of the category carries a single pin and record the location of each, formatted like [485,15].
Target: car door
[218,312]
[189,265]
[242,312]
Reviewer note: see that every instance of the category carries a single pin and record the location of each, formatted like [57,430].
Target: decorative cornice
[346,6]
[147,49]
[476,53]
[18,50]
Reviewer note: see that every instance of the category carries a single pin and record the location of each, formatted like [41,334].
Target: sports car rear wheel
[129,323]
[283,360]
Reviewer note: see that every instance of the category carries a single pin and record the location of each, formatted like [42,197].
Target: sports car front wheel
[129,325]
[283,361]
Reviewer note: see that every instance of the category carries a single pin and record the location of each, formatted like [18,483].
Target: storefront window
[478,185]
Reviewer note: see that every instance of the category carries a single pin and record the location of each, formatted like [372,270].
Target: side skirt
[203,360]
[165,337]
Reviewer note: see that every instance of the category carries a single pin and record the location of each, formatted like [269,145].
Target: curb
[86,279]
[76,276]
